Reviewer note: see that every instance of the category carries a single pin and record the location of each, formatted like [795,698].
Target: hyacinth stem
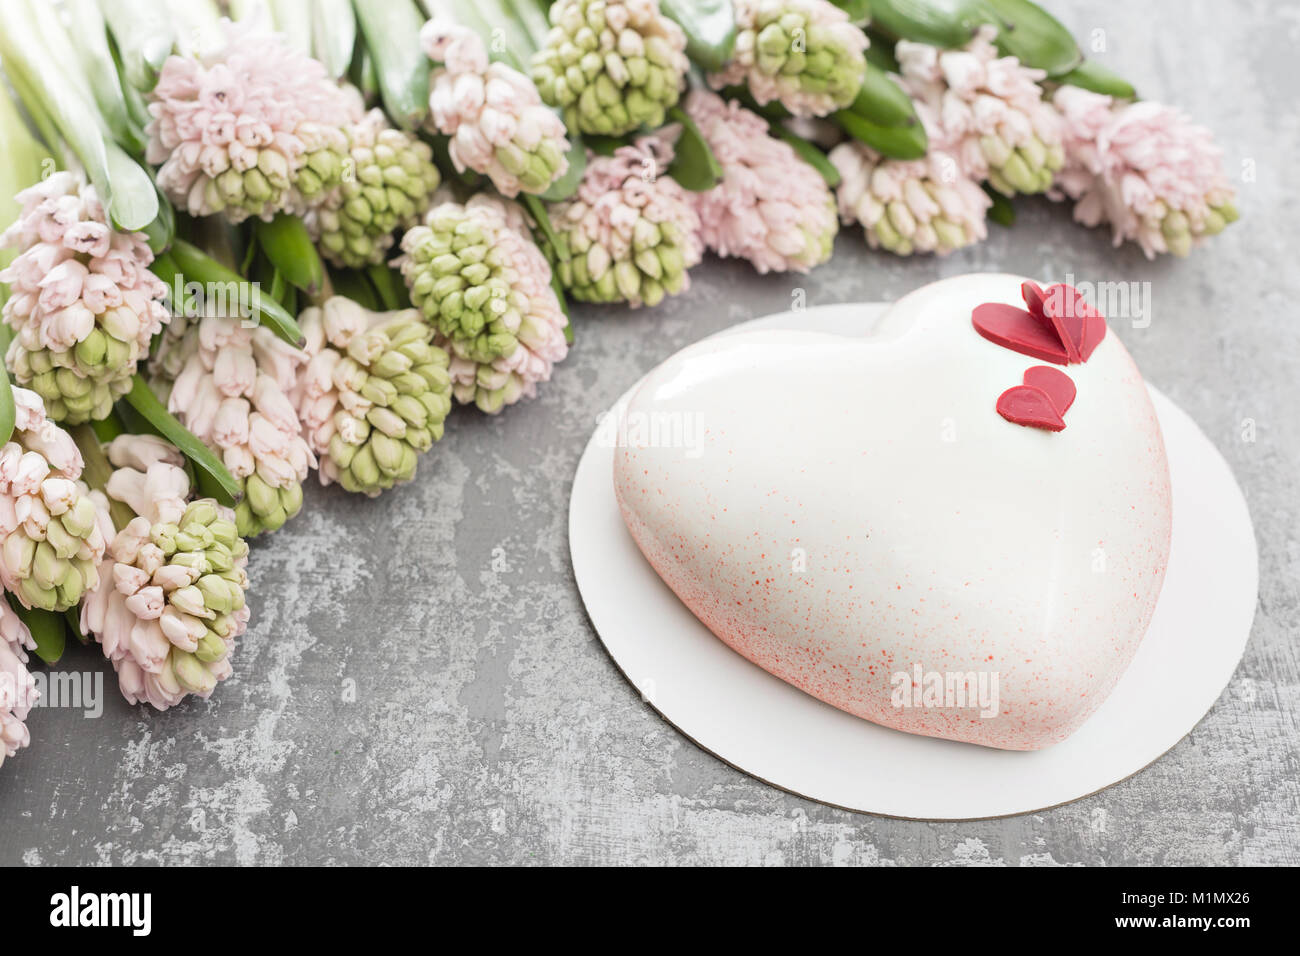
[146,404]
[97,469]
[391,30]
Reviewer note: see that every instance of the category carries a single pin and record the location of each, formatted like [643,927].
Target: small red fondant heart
[1018,330]
[1033,295]
[1026,405]
[1058,386]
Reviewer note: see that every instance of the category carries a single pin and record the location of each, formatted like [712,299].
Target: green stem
[97,470]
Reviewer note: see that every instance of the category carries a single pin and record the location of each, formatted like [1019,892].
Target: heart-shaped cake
[957,527]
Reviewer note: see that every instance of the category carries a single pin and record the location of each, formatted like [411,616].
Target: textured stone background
[490,727]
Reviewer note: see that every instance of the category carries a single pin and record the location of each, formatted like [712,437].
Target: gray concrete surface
[488,725]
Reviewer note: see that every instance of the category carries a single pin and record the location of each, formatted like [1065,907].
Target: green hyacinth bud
[610,66]
[387,184]
[395,394]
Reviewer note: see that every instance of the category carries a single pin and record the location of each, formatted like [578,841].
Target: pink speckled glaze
[884,515]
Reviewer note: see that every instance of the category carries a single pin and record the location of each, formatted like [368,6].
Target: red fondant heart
[1094,330]
[1058,307]
[1033,296]
[1018,330]
[1058,386]
[1026,405]
[1084,327]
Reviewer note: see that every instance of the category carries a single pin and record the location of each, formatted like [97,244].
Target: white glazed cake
[957,527]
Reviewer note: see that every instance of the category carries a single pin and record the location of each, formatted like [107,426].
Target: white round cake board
[784,737]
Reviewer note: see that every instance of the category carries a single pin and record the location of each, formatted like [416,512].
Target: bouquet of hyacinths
[237,249]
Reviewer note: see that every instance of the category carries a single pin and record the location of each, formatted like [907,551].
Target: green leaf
[353,285]
[193,24]
[334,35]
[125,189]
[293,19]
[558,288]
[40,119]
[362,73]
[1035,37]
[277,285]
[542,222]
[859,11]
[250,253]
[567,185]
[7,411]
[73,618]
[1091,75]
[90,39]
[96,468]
[809,153]
[604,145]
[881,51]
[146,404]
[694,166]
[1001,212]
[135,203]
[106,429]
[287,244]
[144,38]
[527,14]
[882,101]
[897,142]
[194,265]
[24,162]
[391,29]
[941,23]
[162,230]
[389,285]
[710,28]
[48,630]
